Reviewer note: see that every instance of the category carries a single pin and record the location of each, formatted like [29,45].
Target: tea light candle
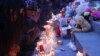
[59,42]
[41,47]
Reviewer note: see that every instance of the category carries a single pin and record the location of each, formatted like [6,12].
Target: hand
[75,30]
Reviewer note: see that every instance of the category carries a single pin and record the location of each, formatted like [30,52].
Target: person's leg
[72,44]
[68,33]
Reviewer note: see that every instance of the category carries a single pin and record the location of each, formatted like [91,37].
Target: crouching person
[81,25]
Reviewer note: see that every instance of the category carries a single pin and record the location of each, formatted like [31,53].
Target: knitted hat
[31,4]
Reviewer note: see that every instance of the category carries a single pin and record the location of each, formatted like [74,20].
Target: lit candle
[59,42]
[41,47]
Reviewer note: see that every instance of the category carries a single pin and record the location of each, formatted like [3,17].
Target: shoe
[72,46]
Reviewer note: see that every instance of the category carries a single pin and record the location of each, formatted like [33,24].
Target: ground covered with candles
[52,45]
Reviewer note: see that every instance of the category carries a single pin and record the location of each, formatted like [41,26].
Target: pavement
[64,50]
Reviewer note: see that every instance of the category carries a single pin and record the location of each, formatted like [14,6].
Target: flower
[89,10]
[77,3]
[96,14]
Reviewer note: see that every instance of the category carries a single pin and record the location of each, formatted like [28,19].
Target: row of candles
[45,46]
[47,43]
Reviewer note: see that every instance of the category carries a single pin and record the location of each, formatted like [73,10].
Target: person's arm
[30,30]
[34,34]
[75,30]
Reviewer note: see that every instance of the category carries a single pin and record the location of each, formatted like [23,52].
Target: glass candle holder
[41,47]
